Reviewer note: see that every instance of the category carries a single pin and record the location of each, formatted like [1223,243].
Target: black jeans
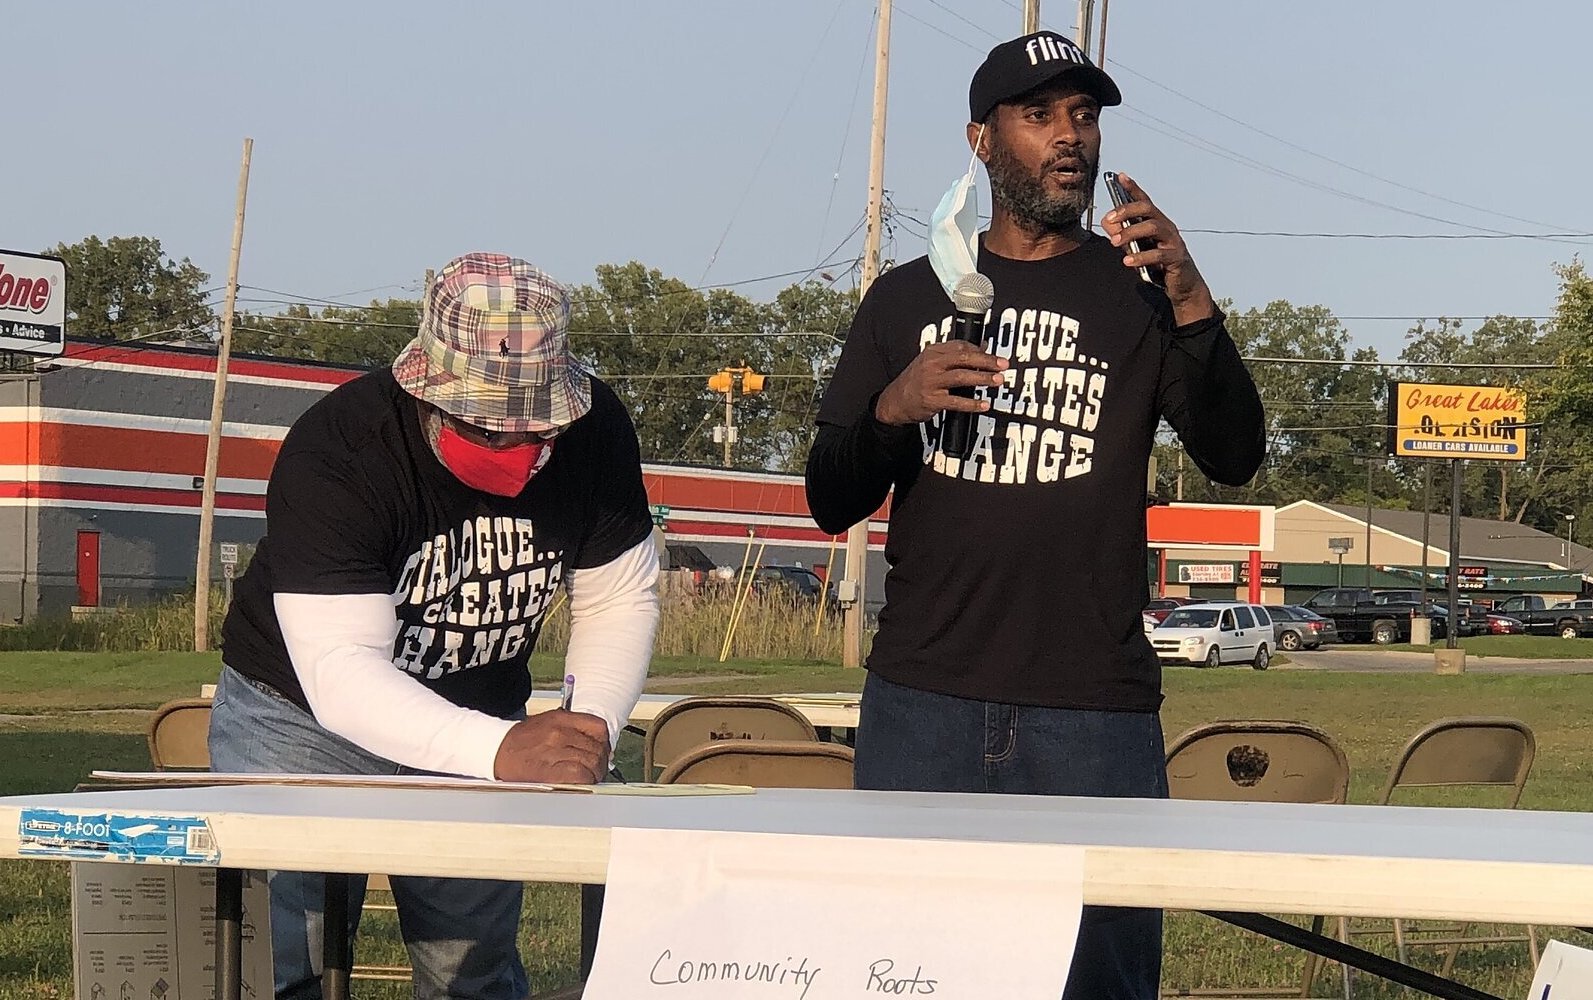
[911,740]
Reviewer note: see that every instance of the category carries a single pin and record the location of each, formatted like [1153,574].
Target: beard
[1023,194]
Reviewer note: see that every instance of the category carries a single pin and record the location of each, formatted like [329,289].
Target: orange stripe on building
[132,450]
[723,494]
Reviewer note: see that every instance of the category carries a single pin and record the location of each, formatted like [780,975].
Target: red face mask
[502,472]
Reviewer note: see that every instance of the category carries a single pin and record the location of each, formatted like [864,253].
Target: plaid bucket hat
[493,348]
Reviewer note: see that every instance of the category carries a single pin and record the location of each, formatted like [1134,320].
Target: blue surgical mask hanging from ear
[954,228]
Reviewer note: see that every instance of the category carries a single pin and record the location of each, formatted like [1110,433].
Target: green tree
[1321,418]
[656,340]
[352,335]
[128,287]
[1562,399]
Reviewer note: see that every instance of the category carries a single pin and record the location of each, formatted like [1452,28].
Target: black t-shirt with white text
[358,503]
[1018,574]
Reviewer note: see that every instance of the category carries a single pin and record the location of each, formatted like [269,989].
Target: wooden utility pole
[218,399]
[1031,16]
[730,429]
[857,534]
[1086,19]
[1100,56]
[1368,523]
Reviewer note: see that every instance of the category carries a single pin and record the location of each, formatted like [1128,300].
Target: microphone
[971,298]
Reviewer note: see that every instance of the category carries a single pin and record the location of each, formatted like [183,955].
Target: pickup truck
[1539,618]
[1363,615]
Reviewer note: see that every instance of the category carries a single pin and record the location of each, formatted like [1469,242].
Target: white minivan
[1210,635]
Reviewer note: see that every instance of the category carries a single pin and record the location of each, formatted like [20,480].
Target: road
[1371,660]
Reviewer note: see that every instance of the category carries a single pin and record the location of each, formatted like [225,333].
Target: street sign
[1206,573]
[1340,545]
[660,514]
[229,571]
[229,553]
[32,303]
[1271,573]
[1428,420]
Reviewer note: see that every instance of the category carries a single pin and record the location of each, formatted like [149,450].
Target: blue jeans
[460,933]
[911,740]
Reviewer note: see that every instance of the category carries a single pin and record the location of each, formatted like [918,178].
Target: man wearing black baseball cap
[1019,66]
[1010,655]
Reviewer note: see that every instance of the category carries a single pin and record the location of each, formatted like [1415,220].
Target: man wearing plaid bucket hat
[419,523]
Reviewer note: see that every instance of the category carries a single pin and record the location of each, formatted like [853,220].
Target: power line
[1349,363]
[1189,138]
[936,29]
[977,27]
[1310,152]
[769,146]
[1491,235]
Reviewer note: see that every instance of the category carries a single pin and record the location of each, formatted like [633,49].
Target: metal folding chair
[691,722]
[179,735]
[764,764]
[1261,760]
[1465,752]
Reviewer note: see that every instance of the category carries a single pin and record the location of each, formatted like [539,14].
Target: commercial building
[1497,558]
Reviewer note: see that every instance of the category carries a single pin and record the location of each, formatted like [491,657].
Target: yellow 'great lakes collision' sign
[1457,421]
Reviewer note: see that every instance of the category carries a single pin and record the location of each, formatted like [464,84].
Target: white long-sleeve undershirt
[342,651]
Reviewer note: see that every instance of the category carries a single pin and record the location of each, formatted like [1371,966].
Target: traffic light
[728,380]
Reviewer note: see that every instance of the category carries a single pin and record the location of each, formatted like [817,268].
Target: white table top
[1511,866]
[838,711]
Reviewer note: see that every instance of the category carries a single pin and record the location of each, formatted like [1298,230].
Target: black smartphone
[1114,187]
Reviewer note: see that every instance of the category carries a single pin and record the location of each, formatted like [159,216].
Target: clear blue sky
[704,137]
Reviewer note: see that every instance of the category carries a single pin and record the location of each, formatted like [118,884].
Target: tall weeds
[771,627]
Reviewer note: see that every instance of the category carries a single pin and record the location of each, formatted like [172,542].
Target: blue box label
[178,840]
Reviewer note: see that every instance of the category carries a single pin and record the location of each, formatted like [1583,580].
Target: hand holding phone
[1114,188]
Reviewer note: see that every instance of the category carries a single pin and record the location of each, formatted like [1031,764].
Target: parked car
[1210,635]
[1161,607]
[1504,625]
[1580,604]
[1534,613]
[1301,628]
[1149,620]
[797,583]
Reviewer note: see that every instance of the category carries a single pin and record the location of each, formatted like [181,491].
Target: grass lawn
[61,721]
[1526,647]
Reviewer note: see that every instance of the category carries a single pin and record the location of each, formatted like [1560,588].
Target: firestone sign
[32,303]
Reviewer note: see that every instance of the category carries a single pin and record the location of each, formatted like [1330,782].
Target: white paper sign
[690,915]
[1564,973]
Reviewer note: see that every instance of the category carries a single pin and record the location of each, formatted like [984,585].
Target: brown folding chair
[179,734]
[1257,761]
[763,764]
[1261,760]
[1466,752]
[691,722]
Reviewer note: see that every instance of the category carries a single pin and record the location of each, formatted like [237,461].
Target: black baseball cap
[1017,67]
